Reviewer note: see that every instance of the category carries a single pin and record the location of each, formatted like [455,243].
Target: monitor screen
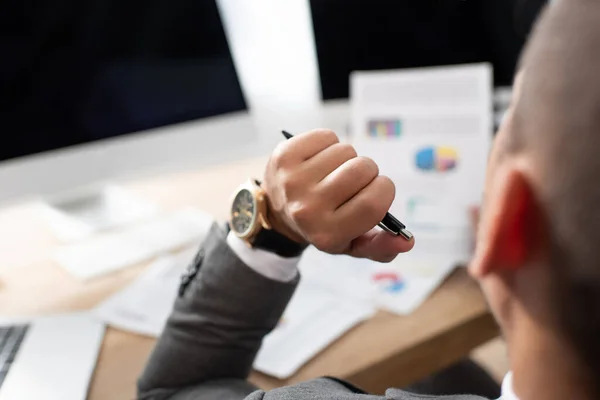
[388,34]
[74,72]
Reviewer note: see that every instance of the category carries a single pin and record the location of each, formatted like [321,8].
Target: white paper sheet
[400,286]
[144,306]
[459,90]
[78,218]
[432,125]
[110,252]
[429,130]
[312,321]
[403,285]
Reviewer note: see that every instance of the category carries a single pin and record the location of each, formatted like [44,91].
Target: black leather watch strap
[275,242]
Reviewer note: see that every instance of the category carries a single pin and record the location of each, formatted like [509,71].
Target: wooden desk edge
[429,356]
[414,363]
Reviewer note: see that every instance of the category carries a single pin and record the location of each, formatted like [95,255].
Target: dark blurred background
[77,71]
[386,34]
[80,70]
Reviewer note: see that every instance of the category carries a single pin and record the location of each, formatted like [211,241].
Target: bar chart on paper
[384,128]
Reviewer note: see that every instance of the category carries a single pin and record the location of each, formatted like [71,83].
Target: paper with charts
[399,287]
[429,130]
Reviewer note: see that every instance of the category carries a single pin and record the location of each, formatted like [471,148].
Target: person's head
[538,250]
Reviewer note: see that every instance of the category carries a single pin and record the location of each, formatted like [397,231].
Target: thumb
[379,246]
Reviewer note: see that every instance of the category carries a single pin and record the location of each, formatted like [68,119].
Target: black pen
[389,223]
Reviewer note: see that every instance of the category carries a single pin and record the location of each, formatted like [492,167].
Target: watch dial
[242,211]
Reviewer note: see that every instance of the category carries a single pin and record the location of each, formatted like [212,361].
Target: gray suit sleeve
[216,328]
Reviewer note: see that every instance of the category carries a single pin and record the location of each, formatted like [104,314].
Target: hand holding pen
[321,192]
[389,223]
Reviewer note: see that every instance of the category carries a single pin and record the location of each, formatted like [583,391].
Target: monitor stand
[78,214]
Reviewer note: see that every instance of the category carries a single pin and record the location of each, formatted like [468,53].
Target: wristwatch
[248,220]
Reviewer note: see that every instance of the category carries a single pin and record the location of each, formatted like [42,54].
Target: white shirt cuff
[268,264]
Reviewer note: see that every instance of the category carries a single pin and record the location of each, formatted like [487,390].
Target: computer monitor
[388,34]
[80,72]
[79,79]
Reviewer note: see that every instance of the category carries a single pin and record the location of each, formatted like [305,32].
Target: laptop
[48,357]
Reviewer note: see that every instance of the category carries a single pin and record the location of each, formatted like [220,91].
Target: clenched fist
[320,192]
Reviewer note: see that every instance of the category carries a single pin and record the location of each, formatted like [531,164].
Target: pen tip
[406,234]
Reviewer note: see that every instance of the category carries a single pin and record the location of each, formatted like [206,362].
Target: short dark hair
[557,121]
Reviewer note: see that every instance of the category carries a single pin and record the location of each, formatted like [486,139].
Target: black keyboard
[11,338]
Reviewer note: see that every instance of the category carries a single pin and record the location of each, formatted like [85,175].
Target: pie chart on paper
[436,158]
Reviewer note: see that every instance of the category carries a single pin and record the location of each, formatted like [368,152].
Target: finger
[347,180]
[326,161]
[304,146]
[365,210]
[379,246]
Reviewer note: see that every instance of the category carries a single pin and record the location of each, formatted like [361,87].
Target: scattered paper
[81,215]
[341,275]
[142,242]
[404,284]
[144,306]
[312,321]
[400,286]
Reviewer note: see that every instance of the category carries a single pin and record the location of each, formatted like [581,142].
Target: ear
[509,233]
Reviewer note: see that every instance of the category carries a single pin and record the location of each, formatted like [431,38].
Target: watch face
[243,212]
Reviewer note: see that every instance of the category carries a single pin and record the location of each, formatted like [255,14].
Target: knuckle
[388,187]
[287,182]
[326,134]
[348,150]
[279,155]
[300,213]
[367,166]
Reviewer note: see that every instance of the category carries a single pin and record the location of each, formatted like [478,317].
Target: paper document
[460,89]
[313,320]
[400,286]
[79,216]
[404,284]
[113,251]
[144,306]
[429,130]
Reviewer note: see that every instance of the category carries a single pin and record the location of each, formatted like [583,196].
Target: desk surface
[387,350]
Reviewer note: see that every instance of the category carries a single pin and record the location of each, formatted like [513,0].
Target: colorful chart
[440,159]
[390,282]
[391,128]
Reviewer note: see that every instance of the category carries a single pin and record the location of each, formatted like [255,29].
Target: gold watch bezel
[259,219]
